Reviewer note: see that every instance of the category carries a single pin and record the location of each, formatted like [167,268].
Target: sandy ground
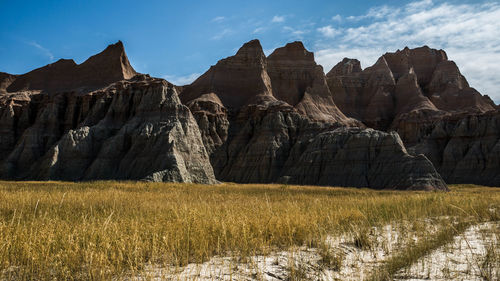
[356,263]
[463,259]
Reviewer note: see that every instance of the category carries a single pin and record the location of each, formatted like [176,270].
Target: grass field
[101,230]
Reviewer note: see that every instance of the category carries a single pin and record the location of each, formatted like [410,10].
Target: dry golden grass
[100,230]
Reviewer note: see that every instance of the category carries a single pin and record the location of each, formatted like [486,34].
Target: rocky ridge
[135,129]
[252,118]
[278,124]
[422,96]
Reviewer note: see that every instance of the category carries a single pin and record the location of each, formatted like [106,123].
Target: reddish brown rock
[258,119]
[423,60]
[409,97]
[55,128]
[236,81]
[5,80]
[423,96]
[420,79]
[212,119]
[297,80]
[368,95]
[257,133]
[346,67]
[290,74]
[450,91]
[98,71]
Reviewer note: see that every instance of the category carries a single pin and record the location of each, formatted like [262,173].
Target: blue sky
[179,40]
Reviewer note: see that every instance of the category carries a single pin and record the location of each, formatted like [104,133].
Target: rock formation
[419,84]
[131,129]
[297,80]
[253,119]
[465,148]
[360,157]
[268,129]
[98,71]
[235,81]
[422,96]
[273,143]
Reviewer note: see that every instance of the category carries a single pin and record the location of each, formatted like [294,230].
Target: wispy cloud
[259,30]
[218,19]
[222,34]
[46,52]
[469,33]
[294,33]
[278,19]
[376,13]
[328,31]
[337,18]
[182,80]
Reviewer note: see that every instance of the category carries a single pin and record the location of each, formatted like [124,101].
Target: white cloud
[221,34]
[46,52]
[181,80]
[469,33]
[337,18]
[258,30]
[218,19]
[278,19]
[294,33]
[328,31]
[378,12]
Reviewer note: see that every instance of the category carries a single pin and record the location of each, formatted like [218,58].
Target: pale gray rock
[360,157]
[136,129]
[464,148]
[273,143]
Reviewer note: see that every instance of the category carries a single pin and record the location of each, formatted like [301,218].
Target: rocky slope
[465,148]
[130,129]
[422,96]
[273,130]
[252,118]
[98,71]
[274,143]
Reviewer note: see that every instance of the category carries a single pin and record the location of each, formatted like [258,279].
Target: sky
[179,40]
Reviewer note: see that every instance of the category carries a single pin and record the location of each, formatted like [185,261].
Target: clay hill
[408,122]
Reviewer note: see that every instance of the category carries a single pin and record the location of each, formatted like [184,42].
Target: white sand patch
[354,261]
[463,259]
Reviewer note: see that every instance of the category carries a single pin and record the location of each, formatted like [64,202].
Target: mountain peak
[251,49]
[112,63]
[345,67]
[292,51]
[99,70]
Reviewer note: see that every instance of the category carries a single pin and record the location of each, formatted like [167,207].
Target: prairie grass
[100,230]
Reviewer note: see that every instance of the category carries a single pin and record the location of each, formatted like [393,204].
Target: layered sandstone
[465,148]
[54,126]
[418,83]
[133,129]
[360,157]
[297,80]
[98,71]
[252,118]
[273,143]
[236,81]
[422,96]
[270,128]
